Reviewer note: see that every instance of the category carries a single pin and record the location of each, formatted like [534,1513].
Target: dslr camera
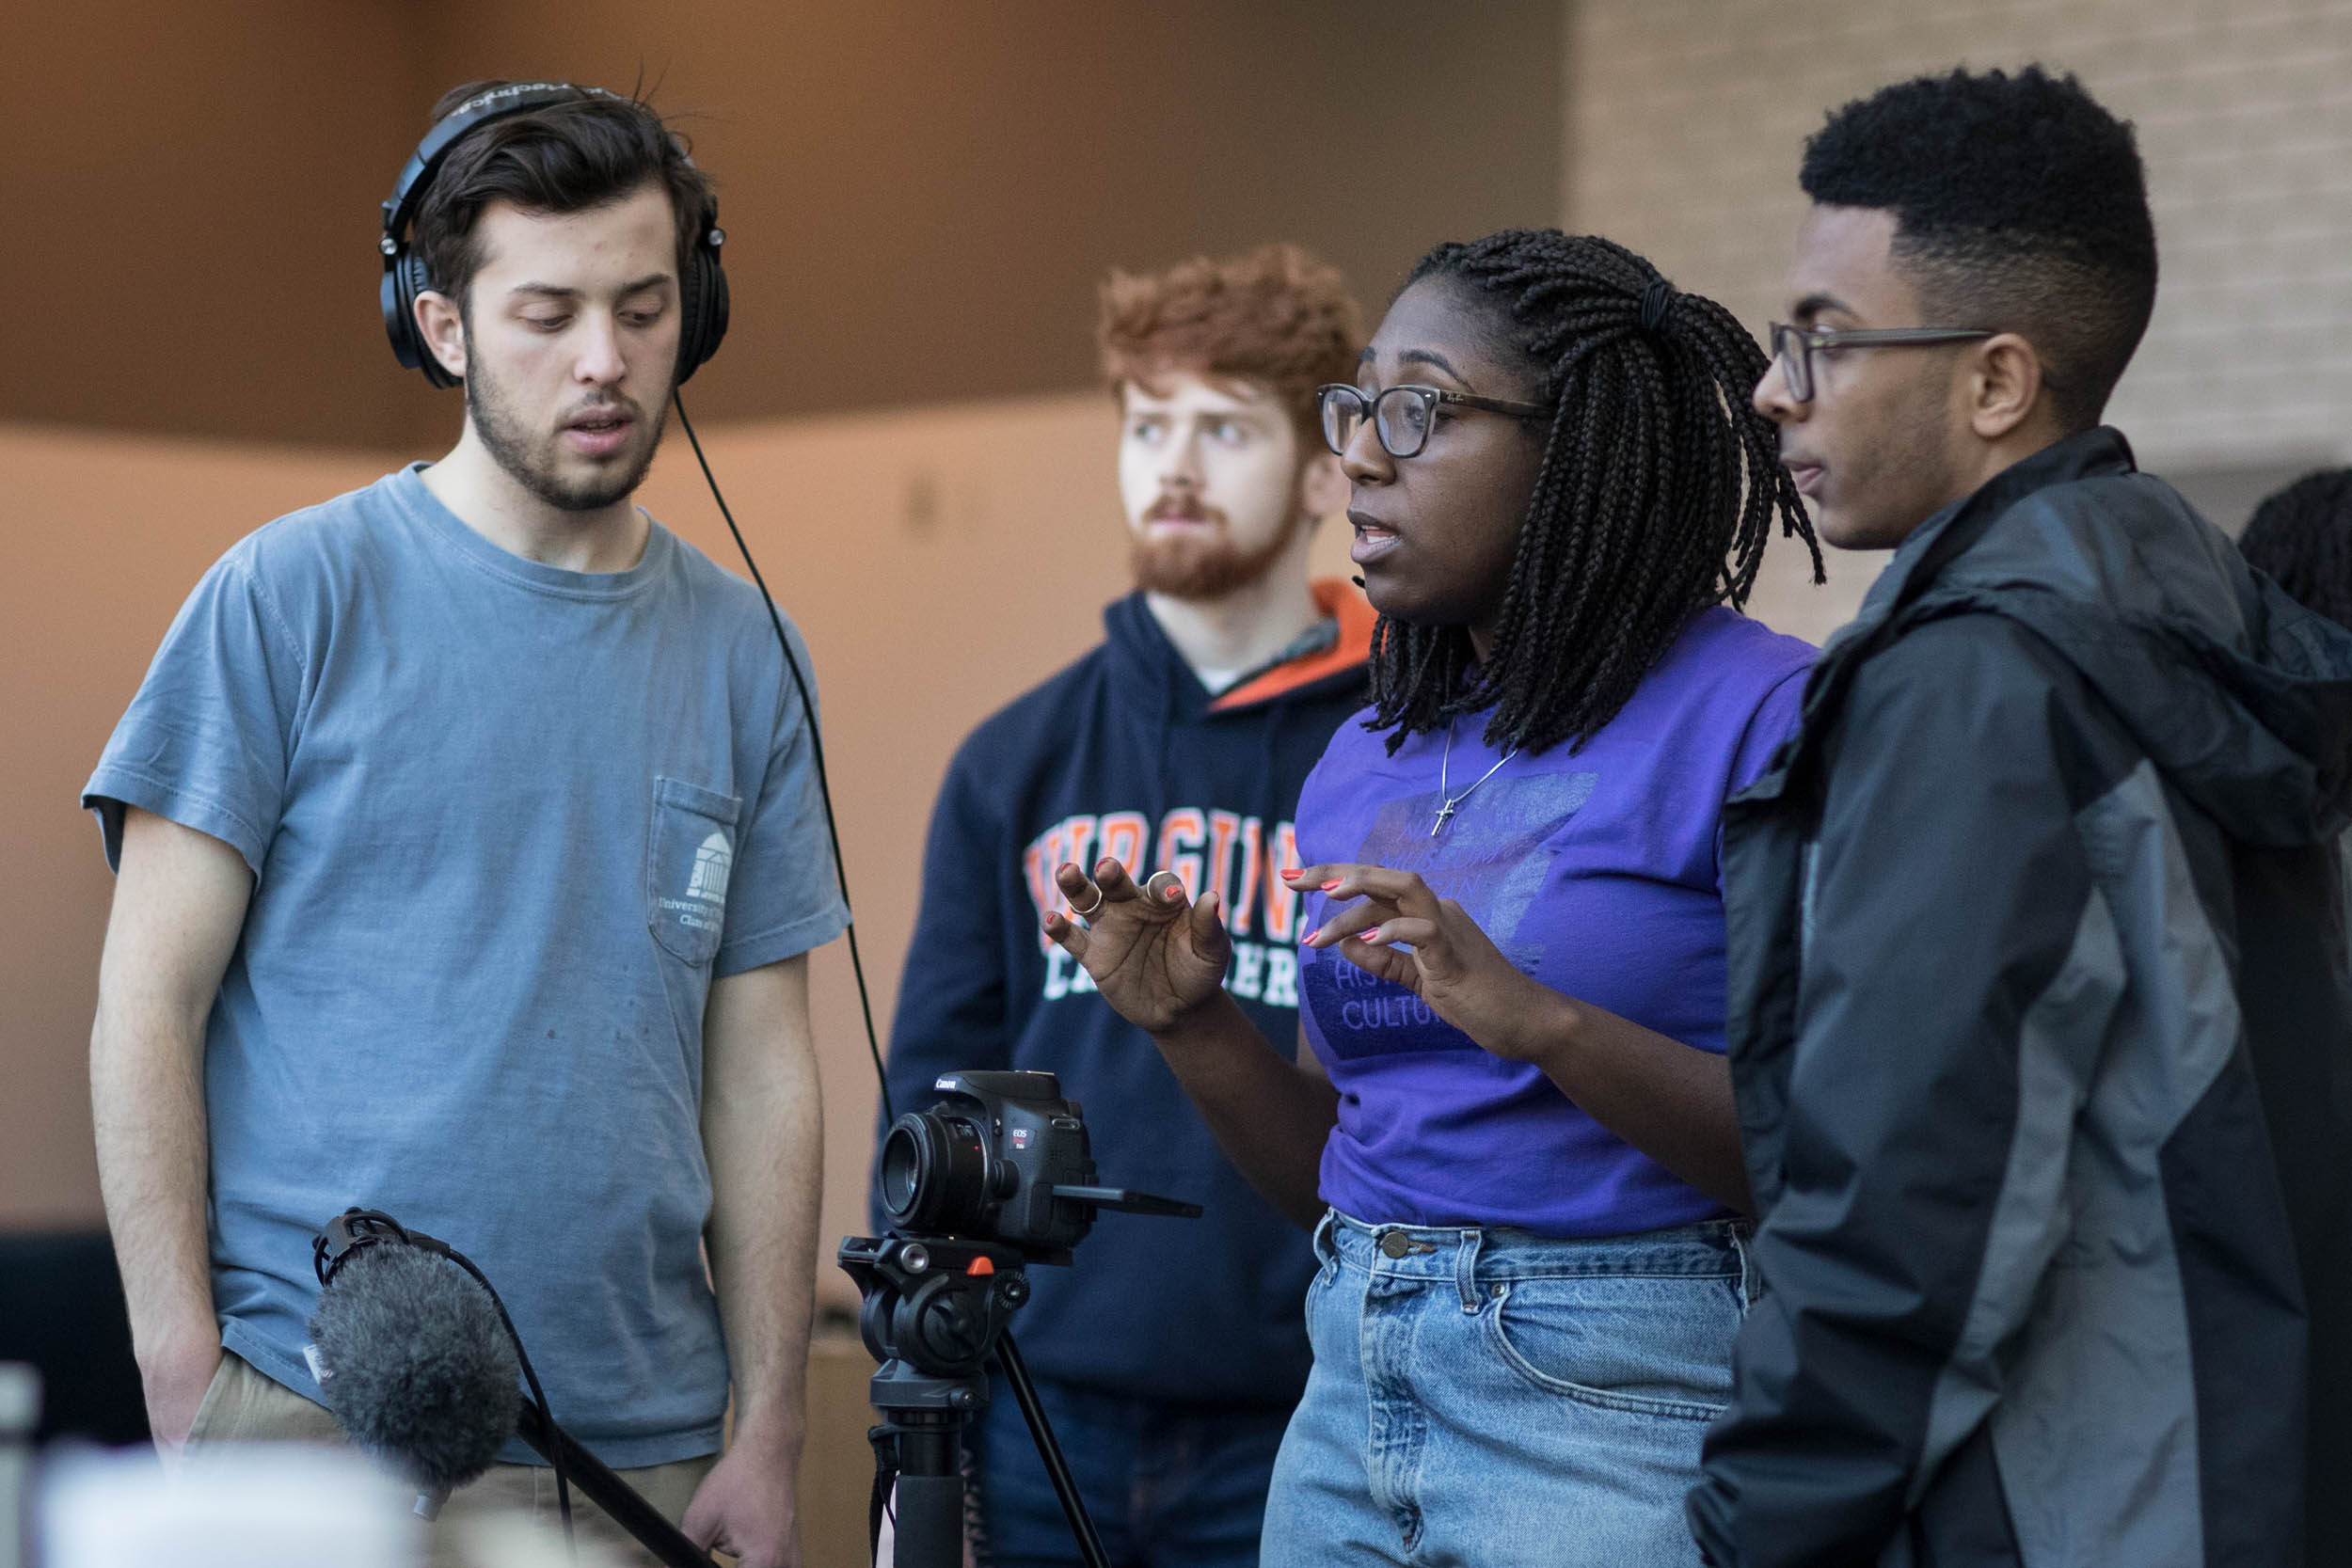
[1002,1157]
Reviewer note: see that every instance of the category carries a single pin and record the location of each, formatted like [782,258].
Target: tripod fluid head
[935,1305]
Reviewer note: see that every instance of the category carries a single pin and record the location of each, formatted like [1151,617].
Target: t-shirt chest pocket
[689,856]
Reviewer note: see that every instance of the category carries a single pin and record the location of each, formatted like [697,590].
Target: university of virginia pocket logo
[712,862]
[704,907]
[689,863]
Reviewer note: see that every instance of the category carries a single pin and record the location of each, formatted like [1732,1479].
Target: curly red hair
[1276,316]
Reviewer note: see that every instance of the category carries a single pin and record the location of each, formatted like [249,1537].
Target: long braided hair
[1657,491]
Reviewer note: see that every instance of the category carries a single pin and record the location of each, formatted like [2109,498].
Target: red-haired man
[1170,1353]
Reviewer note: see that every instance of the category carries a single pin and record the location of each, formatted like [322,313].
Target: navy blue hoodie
[1125,754]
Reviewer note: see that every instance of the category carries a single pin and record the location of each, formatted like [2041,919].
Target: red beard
[1205,563]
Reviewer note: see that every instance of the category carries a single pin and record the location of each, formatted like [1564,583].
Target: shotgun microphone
[418,1360]
[413,1355]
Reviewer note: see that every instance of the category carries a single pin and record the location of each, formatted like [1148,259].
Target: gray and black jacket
[2042,1040]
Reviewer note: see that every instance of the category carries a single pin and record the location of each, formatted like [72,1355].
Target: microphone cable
[817,749]
[555,1458]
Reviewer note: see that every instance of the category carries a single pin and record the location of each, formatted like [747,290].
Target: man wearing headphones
[469,851]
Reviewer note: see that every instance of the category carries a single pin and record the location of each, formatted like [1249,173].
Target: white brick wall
[1686,121]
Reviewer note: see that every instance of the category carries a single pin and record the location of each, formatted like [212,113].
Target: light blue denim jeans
[1494,1398]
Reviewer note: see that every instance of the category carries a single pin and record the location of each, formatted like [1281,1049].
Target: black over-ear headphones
[702,286]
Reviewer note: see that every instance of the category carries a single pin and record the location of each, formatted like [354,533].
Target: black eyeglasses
[1795,346]
[1400,416]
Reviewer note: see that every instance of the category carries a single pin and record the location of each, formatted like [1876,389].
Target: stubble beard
[534,461]
[1206,565]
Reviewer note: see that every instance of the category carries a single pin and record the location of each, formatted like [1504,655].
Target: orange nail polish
[1332,883]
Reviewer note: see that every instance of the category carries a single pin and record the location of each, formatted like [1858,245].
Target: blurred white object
[246,1505]
[20,1412]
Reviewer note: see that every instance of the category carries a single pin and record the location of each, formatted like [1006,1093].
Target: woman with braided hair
[1509,1119]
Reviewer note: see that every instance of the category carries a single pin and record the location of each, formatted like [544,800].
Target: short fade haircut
[2020,205]
[570,157]
[2302,537]
[1276,316]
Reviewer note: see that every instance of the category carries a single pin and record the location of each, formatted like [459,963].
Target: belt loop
[1751,1281]
[1466,1268]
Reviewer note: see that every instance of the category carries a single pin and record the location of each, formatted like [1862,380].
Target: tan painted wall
[939,561]
[106,536]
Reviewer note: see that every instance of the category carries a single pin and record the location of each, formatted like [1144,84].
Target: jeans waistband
[1470,1255]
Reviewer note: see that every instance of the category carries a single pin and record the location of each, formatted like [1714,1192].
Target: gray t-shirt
[506,823]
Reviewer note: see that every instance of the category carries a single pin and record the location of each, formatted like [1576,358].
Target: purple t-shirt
[1596,873]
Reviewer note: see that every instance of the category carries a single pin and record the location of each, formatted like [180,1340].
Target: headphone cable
[817,749]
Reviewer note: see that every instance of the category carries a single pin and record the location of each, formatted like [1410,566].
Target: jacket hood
[1148,666]
[2239,695]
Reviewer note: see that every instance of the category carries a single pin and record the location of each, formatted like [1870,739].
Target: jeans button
[1393,1244]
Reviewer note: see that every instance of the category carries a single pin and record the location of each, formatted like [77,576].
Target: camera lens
[934,1174]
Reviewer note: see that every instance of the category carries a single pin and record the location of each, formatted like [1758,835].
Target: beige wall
[106,537]
[939,562]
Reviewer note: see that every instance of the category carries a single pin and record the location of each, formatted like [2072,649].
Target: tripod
[933,1311]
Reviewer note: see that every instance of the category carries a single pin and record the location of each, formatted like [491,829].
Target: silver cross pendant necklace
[1452,802]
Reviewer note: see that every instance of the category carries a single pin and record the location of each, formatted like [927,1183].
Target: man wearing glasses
[1170,1353]
[2037,1020]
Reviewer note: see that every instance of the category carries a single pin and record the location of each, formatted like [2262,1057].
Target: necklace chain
[1451,803]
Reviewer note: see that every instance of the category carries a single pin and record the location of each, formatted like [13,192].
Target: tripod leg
[1057,1467]
[928,1527]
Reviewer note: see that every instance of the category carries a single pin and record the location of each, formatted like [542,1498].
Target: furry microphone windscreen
[419,1371]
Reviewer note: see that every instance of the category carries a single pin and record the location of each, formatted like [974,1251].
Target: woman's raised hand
[1152,953]
[1397,930]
